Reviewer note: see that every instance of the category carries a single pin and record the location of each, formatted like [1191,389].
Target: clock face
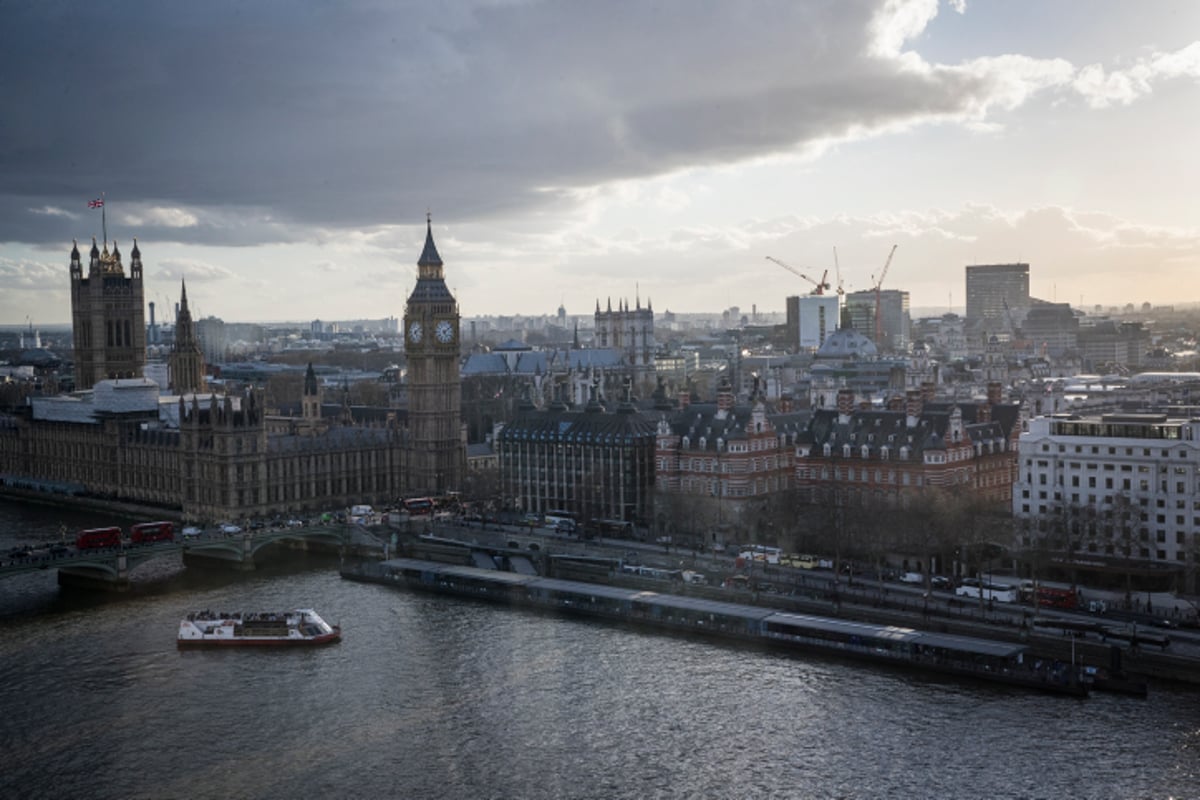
[414,332]
[444,332]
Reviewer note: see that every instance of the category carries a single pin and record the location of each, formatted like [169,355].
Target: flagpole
[104,219]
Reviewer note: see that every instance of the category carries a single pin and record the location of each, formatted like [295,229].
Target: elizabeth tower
[431,342]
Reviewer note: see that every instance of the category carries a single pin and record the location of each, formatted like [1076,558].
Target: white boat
[301,626]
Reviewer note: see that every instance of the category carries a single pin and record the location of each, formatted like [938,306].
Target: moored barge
[994,661]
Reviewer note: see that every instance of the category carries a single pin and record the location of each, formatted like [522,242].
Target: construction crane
[878,304]
[838,272]
[820,285]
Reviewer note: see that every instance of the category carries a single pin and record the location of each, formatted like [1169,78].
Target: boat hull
[262,641]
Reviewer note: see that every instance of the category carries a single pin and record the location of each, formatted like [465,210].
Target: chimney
[725,395]
[895,403]
[983,413]
[845,404]
[685,398]
[785,403]
[995,393]
[928,391]
[913,406]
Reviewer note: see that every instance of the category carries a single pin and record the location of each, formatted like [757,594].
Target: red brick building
[714,461]
[860,456]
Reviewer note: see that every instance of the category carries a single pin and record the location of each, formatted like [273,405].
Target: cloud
[558,145]
[161,217]
[27,275]
[1101,88]
[53,211]
[359,115]
[191,270]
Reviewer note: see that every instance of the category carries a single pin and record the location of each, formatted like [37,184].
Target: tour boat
[301,626]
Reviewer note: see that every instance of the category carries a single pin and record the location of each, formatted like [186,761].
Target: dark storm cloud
[241,123]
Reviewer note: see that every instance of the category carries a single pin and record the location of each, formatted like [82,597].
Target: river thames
[432,697]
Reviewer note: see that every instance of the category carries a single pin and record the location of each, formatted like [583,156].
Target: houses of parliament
[209,456]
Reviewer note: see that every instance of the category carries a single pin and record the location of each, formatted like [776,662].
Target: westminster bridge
[109,567]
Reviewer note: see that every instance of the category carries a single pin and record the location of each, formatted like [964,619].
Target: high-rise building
[108,317]
[213,338]
[895,321]
[431,330]
[1051,329]
[993,292]
[817,318]
[185,364]
[792,322]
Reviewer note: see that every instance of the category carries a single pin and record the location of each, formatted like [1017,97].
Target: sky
[281,157]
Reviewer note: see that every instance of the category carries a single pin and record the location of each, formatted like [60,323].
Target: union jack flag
[97,203]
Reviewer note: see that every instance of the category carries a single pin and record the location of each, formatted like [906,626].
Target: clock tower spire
[437,460]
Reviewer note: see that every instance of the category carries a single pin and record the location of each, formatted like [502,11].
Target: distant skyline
[282,157]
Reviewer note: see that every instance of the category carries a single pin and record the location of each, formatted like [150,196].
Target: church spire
[429,256]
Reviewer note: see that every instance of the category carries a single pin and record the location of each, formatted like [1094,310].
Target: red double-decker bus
[152,532]
[419,506]
[1055,597]
[98,537]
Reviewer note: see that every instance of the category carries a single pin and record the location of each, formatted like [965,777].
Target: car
[911,577]
[59,549]
[230,528]
[191,531]
[941,582]
[295,523]
[257,525]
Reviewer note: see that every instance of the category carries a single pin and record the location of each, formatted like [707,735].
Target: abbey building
[208,456]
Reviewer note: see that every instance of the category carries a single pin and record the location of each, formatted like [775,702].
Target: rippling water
[435,697]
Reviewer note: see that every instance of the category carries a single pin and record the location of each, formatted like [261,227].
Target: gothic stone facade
[107,316]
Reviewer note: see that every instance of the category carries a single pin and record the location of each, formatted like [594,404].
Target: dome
[847,343]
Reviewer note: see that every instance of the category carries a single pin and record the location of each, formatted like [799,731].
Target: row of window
[1112,451]
[1143,469]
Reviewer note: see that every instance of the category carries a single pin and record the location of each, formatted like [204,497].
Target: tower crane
[820,285]
[878,304]
[838,272]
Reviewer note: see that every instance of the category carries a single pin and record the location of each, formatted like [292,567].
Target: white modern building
[1125,486]
[818,319]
